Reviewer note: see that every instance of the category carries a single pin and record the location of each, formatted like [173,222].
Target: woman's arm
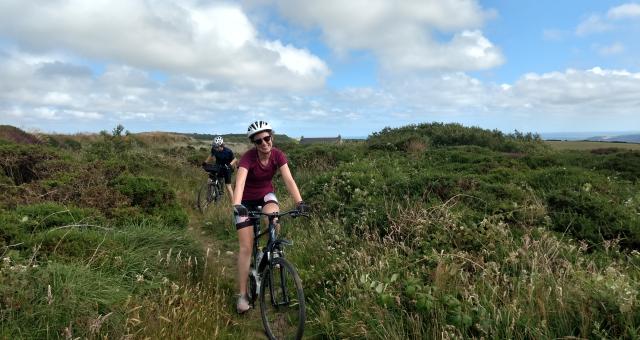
[290,183]
[241,178]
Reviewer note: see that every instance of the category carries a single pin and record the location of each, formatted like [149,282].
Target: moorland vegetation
[424,231]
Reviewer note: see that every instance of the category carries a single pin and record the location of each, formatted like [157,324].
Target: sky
[319,68]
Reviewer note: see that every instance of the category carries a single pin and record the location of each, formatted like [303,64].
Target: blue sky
[319,68]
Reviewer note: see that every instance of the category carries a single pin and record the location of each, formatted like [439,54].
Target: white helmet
[218,141]
[258,126]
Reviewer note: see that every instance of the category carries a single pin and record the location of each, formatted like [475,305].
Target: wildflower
[139,278]
[6,261]
[96,324]
[19,268]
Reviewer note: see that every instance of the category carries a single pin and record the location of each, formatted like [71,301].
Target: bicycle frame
[273,242]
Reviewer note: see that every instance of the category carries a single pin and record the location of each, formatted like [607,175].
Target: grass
[416,265]
[529,285]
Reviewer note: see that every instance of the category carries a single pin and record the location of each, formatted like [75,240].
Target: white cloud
[598,23]
[215,71]
[56,98]
[615,48]
[570,100]
[628,10]
[401,33]
[593,92]
[85,115]
[300,62]
[593,24]
[214,41]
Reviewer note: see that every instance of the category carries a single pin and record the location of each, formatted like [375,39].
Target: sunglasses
[259,141]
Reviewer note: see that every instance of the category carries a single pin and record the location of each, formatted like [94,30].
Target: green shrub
[593,217]
[439,134]
[20,162]
[43,216]
[110,145]
[11,228]
[173,216]
[154,197]
[542,160]
[146,192]
[320,157]
[63,143]
[626,164]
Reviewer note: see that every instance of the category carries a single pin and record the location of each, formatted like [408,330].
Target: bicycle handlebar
[293,213]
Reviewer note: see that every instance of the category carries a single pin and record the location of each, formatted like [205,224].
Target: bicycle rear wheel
[282,301]
[206,195]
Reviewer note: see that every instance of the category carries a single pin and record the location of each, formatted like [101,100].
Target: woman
[254,188]
[225,160]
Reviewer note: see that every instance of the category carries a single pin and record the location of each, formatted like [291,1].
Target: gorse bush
[438,134]
[482,182]
[593,218]
[625,164]
[320,157]
[63,142]
[22,163]
[111,145]
[146,192]
[152,196]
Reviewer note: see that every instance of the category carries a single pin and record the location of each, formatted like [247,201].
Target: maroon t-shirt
[259,177]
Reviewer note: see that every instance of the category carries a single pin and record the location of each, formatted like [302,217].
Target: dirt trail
[217,237]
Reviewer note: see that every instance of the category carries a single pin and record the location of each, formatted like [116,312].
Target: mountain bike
[213,190]
[275,281]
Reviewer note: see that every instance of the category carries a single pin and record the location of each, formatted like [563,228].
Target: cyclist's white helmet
[218,141]
[258,126]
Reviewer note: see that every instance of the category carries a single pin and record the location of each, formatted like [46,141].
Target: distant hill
[594,136]
[232,137]
[13,134]
[635,138]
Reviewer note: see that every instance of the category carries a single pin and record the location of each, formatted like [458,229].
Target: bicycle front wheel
[219,188]
[282,301]
[205,197]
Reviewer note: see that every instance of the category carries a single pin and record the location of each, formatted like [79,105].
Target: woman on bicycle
[254,188]
[225,160]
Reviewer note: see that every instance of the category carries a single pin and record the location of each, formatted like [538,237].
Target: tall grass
[529,284]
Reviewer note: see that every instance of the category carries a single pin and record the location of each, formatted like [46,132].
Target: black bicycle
[275,281]
[213,190]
